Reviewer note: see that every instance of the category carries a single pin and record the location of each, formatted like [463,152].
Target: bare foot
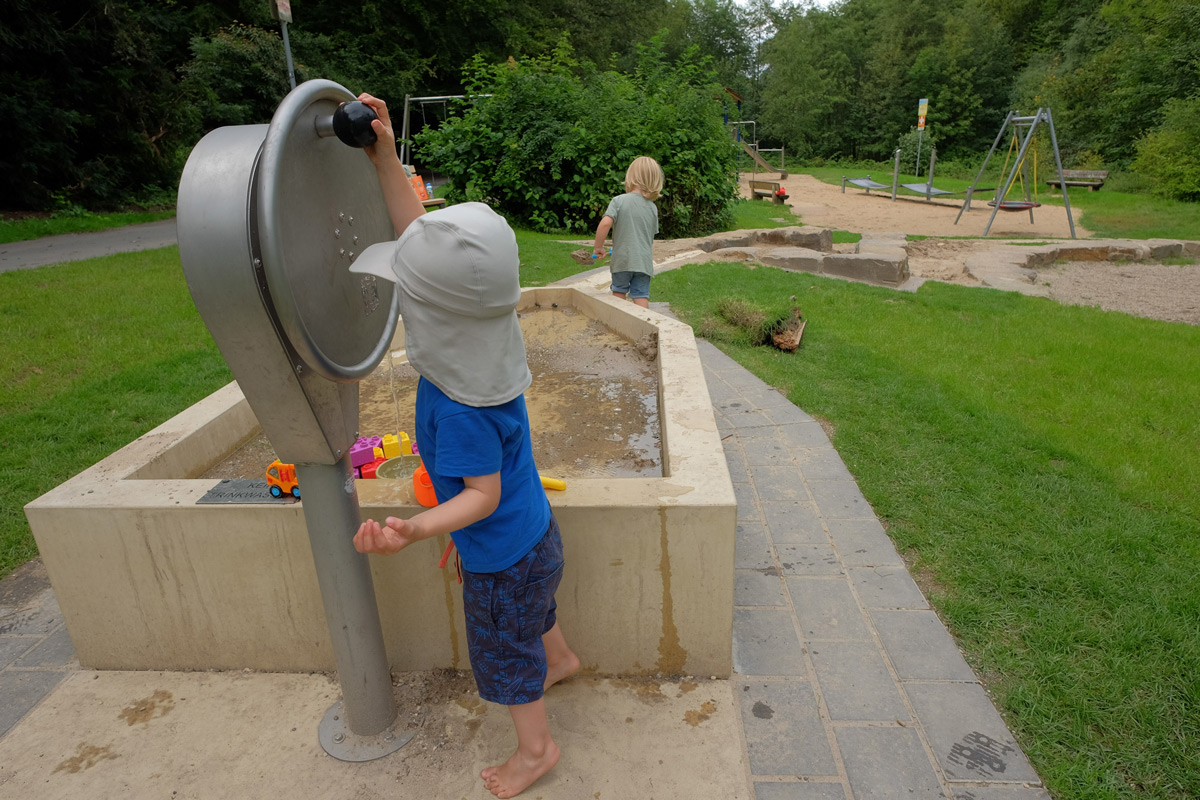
[514,776]
[564,667]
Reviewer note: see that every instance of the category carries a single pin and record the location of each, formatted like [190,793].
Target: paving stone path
[850,685]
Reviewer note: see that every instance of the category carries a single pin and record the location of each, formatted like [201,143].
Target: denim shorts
[633,284]
[507,614]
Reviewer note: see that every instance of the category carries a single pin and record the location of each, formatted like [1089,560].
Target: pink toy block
[363,451]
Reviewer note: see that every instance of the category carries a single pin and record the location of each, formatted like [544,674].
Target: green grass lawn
[92,355]
[19,230]
[1037,466]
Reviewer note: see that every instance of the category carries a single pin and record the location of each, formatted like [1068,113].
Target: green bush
[550,146]
[1170,155]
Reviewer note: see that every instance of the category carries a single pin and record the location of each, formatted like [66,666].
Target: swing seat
[1015,205]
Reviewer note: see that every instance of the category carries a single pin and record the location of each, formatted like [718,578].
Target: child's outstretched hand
[384,148]
[388,540]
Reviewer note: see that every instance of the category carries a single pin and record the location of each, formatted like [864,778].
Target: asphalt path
[78,246]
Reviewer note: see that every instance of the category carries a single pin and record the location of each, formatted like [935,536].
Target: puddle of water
[593,404]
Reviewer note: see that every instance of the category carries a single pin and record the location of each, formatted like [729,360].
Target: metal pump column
[270,219]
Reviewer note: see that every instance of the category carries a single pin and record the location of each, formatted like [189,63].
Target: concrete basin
[149,579]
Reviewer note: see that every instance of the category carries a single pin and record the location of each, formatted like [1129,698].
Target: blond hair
[644,176]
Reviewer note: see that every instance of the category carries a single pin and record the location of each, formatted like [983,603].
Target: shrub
[1170,155]
[550,146]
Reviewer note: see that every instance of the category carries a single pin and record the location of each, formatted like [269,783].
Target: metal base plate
[343,744]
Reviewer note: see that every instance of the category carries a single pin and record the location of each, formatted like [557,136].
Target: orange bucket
[423,488]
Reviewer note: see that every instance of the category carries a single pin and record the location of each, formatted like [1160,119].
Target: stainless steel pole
[1062,183]
[404,131]
[287,52]
[895,173]
[332,514]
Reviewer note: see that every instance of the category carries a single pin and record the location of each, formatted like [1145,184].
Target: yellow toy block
[405,444]
[391,446]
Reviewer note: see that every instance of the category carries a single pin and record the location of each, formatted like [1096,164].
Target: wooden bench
[763,189]
[1091,178]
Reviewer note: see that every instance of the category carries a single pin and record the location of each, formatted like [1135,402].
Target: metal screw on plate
[387,737]
[355,240]
[337,233]
[352,255]
[258,262]
[299,368]
[339,737]
[341,215]
[350,220]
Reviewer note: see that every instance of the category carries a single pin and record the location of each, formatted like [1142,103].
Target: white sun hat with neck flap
[457,271]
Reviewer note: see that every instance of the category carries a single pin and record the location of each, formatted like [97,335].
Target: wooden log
[787,338]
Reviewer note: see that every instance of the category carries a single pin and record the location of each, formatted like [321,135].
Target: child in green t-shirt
[633,219]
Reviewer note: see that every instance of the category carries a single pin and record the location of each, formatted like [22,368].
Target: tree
[1170,155]
[550,145]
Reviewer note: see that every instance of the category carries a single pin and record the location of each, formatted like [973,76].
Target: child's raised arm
[403,204]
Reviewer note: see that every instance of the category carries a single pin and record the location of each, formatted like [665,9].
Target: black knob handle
[352,123]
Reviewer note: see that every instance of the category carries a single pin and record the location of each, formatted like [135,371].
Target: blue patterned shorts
[507,613]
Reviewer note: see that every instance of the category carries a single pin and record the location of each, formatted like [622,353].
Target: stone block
[827,610]
[1128,251]
[882,249]
[1083,252]
[856,684]
[765,643]
[1164,248]
[797,259]
[813,238]
[888,763]
[967,735]
[878,269]
[784,732]
[722,241]
[738,253]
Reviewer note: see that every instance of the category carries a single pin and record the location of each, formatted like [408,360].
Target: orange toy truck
[282,479]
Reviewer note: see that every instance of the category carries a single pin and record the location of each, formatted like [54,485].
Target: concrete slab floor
[209,735]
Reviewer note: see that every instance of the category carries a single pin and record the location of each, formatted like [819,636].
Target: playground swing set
[927,189]
[1023,130]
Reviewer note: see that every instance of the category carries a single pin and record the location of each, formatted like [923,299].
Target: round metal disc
[339,741]
[319,206]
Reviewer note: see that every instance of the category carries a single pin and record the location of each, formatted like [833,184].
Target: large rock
[881,269]
[820,239]
[797,259]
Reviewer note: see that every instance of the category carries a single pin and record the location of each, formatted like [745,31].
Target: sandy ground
[1153,290]
[825,206]
[205,735]
[1143,289]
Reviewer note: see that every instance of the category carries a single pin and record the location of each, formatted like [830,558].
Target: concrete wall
[148,579]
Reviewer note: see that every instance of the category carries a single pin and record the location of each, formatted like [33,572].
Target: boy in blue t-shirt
[456,272]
